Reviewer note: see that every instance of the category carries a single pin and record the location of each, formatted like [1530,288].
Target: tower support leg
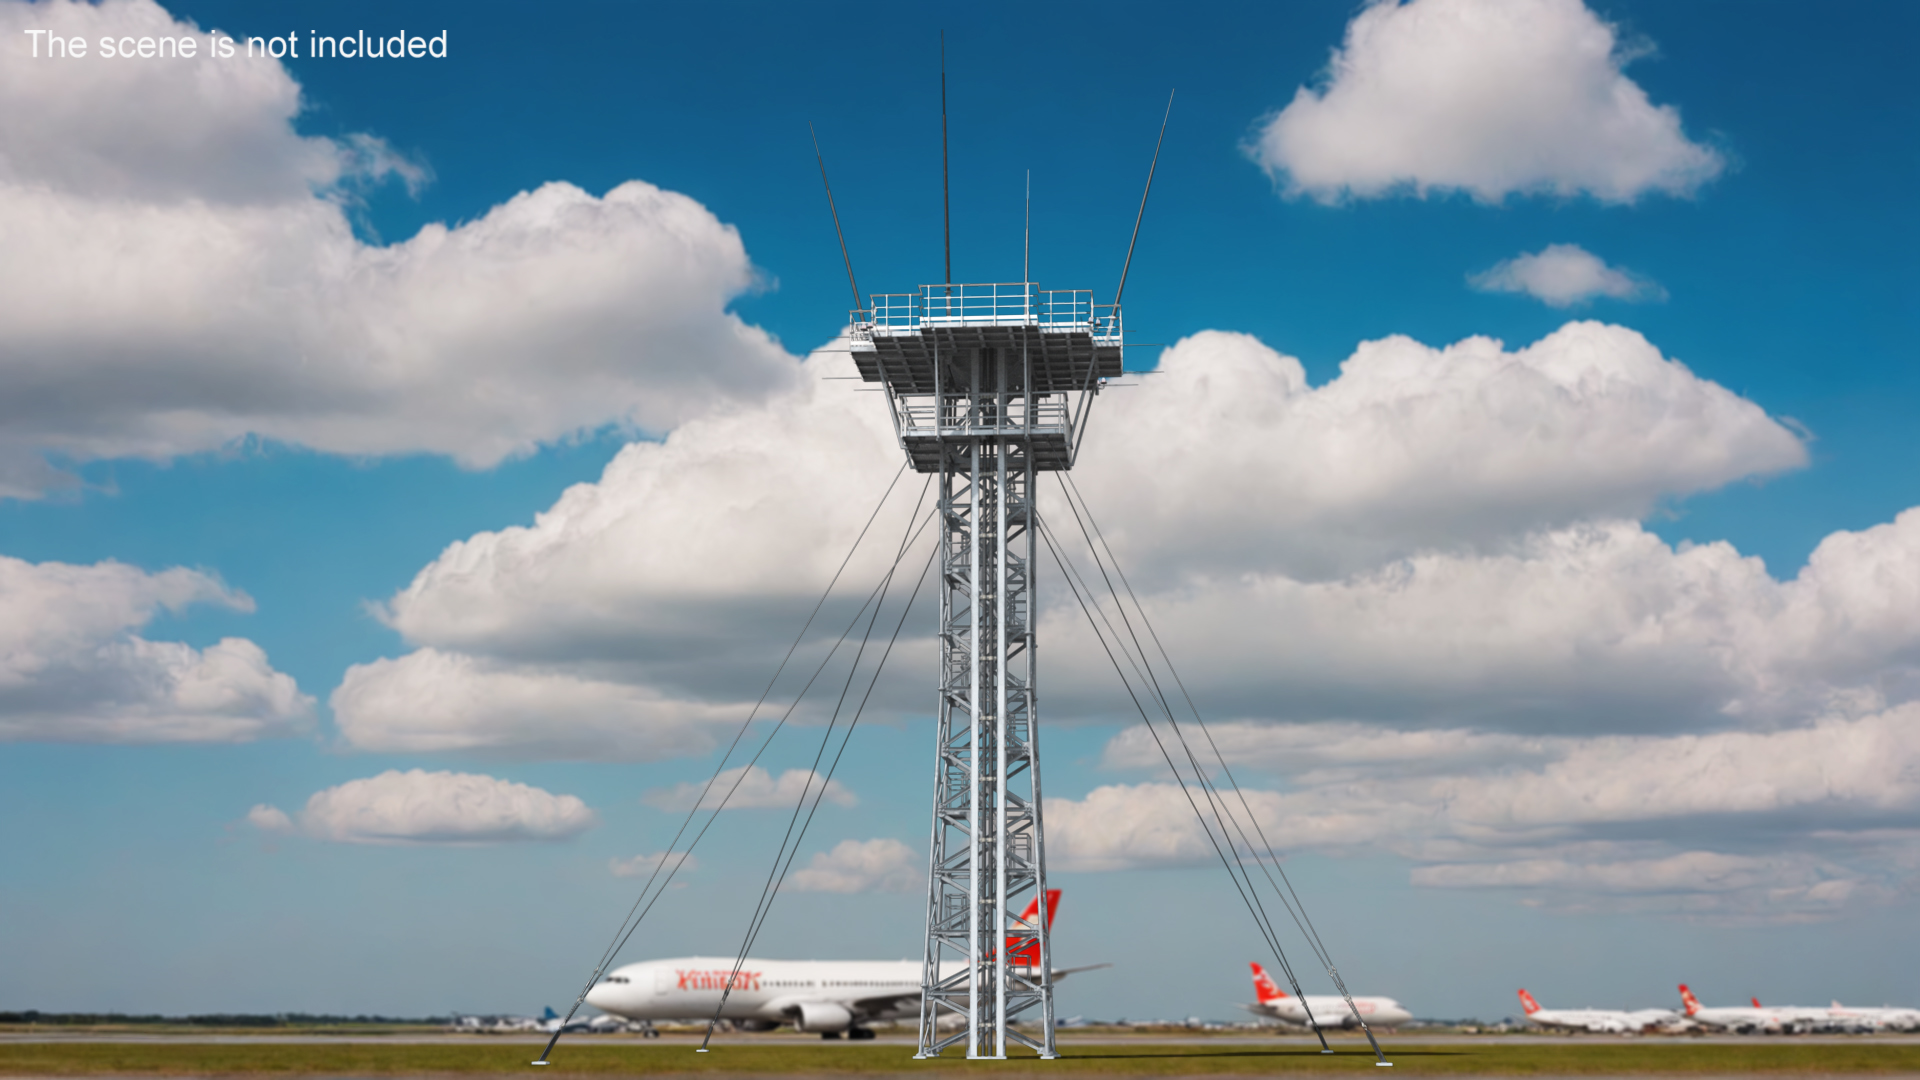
[986,968]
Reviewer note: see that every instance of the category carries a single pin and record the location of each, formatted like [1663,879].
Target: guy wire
[857,304]
[826,737]
[791,853]
[1221,814]
[1307,928]
[1260,922]
[1124,267]
[714,814]
[625,931]
[1300,917]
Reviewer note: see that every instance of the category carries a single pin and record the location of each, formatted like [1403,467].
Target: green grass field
[655,1059]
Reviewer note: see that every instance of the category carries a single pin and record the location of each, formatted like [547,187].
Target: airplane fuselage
[1603,1021]
[1330,1011]
[813,995]
[1868,1018]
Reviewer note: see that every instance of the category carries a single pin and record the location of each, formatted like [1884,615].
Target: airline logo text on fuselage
[717,980]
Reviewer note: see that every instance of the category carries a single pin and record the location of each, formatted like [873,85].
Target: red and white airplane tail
[1687,1000]
[1756,1003]
[1527,1004]
[1264,987]
[1025,949]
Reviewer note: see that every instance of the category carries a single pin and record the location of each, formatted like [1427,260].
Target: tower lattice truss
[988,386]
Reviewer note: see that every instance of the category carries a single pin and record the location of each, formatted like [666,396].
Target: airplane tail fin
[1756,1003]
[548,1014]
[1264,987]
[1527,1004]
[1687,999]
[1024,947]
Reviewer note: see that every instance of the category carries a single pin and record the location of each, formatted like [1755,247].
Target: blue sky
[1479,617]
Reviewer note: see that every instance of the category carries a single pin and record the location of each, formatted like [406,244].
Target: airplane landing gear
[859,1033]
[829,1034]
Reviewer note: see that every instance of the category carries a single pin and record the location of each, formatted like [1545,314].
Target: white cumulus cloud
[1773,888]
[644,608]
[420,807]
[643,612]
[1782,825]
[181,271]
[1593,629]
[429,700]
[859,866]
[1490,97]
[73,667]
[1124,826]
[751,787]
[1591,719]
[1230,462]
[1562,275]
[643,865]
[1326,750]
[269,819]
[1833,770]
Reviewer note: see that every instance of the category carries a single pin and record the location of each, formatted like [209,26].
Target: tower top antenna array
[988,385]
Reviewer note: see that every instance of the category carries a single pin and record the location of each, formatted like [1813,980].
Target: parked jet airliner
[1604,1021]
[1867,1018]
[1756,1017]
[825,996]
[1329,1011]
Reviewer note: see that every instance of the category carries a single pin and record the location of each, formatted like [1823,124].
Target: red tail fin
[1527,1004]
[1756,1003]
[1025,949]
[1264,987]
[1687,999]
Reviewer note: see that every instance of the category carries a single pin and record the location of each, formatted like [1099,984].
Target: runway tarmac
[127,1055]
[1064,1039]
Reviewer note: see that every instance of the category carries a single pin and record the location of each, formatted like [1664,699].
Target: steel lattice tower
[988,386]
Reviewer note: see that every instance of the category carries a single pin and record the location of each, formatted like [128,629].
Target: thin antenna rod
[946,203]
[857,305]
[1143,201]
[1026,238]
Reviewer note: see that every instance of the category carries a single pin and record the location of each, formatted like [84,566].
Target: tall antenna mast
[1026,237]
[857,305]
[1143,201]
[946,204]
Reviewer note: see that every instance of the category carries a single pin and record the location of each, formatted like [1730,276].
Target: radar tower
[988,386]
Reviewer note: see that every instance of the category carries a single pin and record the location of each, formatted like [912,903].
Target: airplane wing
[1061,973]
[882,1003]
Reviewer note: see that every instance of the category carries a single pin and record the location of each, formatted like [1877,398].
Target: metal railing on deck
[998,304]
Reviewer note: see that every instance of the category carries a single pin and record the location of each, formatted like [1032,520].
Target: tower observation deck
[988,385]
[962,363]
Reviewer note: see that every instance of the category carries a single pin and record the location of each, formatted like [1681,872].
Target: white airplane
[597,1025]
[1804,1018]
[830,997]
[1755,1017]
[1603,1021]
[547,1023]
[551,1022]
[1868,1018]
[1329,1011]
